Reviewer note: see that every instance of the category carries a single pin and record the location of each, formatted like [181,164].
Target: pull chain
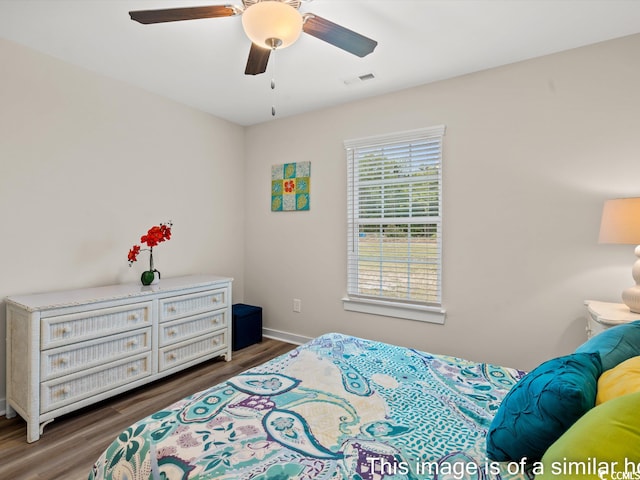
[273,106]
[273,82]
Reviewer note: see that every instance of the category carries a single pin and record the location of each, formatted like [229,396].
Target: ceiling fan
[269,24]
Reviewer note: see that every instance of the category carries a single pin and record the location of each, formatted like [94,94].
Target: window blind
[394,217]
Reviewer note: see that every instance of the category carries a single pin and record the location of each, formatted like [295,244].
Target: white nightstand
[603,315]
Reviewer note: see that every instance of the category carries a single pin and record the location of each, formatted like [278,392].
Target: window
[394,225]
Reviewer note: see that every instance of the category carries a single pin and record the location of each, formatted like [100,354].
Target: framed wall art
[290,186]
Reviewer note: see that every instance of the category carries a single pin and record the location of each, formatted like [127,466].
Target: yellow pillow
[620,380]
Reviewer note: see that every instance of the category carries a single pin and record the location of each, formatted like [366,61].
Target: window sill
[391,309]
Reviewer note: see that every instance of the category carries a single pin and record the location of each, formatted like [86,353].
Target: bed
[338,407]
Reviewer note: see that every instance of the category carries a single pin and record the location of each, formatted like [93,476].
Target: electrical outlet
[297,305]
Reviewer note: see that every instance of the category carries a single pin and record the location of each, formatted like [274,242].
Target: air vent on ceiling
[359,79]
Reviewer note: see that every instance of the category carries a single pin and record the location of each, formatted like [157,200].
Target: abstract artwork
[290,186]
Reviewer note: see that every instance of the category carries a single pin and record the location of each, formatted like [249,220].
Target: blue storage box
[247,325]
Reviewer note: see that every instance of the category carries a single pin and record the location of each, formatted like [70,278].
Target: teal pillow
[615,345]
[608,433]
[542,406]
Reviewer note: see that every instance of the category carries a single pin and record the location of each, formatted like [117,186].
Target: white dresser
[604,315]
[69,349]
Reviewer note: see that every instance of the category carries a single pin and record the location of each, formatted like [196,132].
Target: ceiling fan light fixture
[272,24]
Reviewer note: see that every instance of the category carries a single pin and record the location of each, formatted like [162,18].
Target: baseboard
[285,336]
[3,407]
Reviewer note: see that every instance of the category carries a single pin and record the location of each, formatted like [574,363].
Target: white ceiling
[201,63]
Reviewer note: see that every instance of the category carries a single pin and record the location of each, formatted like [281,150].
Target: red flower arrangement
[156,235]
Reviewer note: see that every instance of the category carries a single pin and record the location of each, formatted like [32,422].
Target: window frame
[432,312]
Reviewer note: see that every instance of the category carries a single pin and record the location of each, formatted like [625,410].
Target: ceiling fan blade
[338,36]
[257,61]
[177,14]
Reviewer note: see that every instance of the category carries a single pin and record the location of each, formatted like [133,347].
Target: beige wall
[530,153]
[88,164]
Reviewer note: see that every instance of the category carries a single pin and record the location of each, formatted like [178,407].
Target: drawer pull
[134,369]
[172,333]
[66,330]
[171,356]
[64,391]
[216,341]
[63,360]
[132,343]
[171,309]
[134,317]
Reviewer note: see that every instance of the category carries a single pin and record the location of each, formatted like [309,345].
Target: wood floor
[72,443]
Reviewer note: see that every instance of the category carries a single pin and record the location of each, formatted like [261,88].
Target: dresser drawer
[67,329]
[190,327]
[72,388]
[184,305]
[187,351]
[80,356]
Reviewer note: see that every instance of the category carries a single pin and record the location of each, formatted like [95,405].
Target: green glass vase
[151,276]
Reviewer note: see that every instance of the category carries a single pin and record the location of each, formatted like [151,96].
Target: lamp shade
[621,221]
[271,23]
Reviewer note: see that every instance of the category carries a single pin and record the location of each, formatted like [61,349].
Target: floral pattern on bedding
[338,407]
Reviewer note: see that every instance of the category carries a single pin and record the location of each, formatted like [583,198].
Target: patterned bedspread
[338,407]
